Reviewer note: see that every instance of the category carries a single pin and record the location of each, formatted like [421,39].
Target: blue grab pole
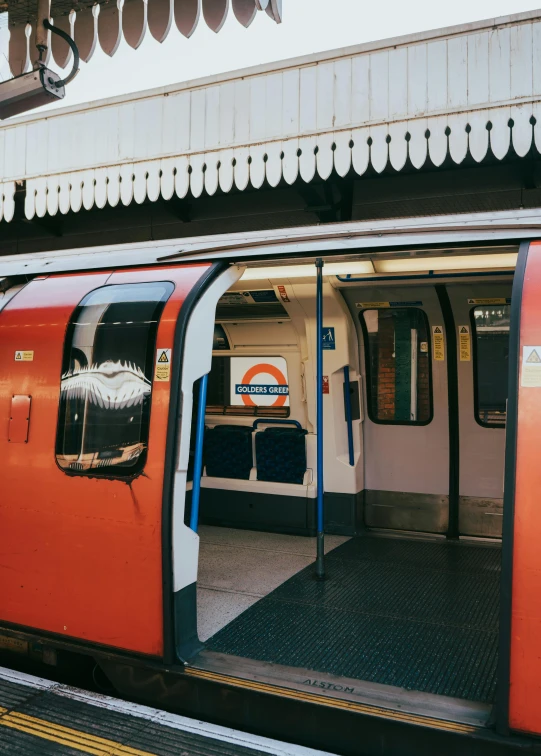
[347,389]
[320,559]
[198,461]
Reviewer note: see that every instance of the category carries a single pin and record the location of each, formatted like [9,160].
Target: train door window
[397,365]
[106,381]
[491,362]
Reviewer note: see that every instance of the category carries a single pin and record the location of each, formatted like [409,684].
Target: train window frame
[235,410]
[475,362]
[368,370]
[113,472]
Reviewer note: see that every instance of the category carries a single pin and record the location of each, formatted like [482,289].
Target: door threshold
[414,535]
[334,689]
[410,535]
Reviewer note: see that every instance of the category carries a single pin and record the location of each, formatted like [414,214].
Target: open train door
[96,406]
[519,676]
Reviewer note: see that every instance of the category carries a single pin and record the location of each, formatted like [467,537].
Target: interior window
[491,362]
[253,386]
[398,365]
[106,382]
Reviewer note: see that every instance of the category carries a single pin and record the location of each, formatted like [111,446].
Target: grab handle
[198,461]
[277,422]
[349,420]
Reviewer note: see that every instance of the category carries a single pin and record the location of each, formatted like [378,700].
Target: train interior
[415,364]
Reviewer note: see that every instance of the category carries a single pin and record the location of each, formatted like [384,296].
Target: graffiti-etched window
[106,382]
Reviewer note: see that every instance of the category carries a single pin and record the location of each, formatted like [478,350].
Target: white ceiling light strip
[450,262]
[375,267]
[363,267]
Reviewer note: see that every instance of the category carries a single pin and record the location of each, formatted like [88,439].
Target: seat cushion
[281,455]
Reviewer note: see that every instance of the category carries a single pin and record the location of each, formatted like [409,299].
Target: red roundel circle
[264,367]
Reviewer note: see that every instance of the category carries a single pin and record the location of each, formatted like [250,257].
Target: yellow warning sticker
[163,365]
[464,343]
[372,305]
[438,343]
[531,367]
[492,301]
[22,355]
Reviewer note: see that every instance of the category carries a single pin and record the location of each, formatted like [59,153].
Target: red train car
[428,625]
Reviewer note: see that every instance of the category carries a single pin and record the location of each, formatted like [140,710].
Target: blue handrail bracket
[198,461]
[347,400]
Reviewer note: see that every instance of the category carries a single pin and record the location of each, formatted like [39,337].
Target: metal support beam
[42,34]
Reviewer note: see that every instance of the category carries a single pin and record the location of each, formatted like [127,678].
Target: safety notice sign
[385,305]
[23,355]
[490,301]
[531,367]
[438,344]
[464,343]
[163,365]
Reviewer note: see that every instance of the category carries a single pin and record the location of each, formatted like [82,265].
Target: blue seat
[228,451]
[281,455]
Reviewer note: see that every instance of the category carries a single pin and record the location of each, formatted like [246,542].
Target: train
[282,484]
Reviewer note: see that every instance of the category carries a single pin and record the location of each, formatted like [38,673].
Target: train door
[406,431]
[85,362]
[481,313]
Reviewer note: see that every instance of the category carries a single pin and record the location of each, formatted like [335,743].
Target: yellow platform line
[66,736]
[309,697]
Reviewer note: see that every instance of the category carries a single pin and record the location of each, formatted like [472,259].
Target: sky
[309,26]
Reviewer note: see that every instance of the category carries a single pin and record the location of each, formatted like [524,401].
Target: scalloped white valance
[90,22]
[472,91]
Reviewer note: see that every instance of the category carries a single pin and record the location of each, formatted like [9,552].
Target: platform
[38,716]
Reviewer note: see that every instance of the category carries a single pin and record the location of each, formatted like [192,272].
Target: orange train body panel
[79,556]
[525,688]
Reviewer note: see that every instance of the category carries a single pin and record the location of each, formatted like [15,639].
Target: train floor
[38,716]
[419,614]
[237,568]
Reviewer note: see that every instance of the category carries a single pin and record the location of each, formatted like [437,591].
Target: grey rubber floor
[416,614]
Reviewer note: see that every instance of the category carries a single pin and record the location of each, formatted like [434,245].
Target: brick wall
[390,354]
[385,373]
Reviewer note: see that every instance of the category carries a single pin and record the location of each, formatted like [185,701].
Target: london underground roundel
[259,382]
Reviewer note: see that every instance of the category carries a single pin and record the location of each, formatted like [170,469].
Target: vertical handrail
[349,420]
[320,559]
[198,461]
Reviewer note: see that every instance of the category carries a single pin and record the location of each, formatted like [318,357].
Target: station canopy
[466,95]
[106,21]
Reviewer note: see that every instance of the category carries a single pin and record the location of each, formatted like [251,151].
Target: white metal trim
[338,238]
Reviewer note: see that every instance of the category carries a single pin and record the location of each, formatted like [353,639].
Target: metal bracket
[66,37]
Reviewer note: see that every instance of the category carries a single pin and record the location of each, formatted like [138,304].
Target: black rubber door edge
[186,310]
[452,401]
